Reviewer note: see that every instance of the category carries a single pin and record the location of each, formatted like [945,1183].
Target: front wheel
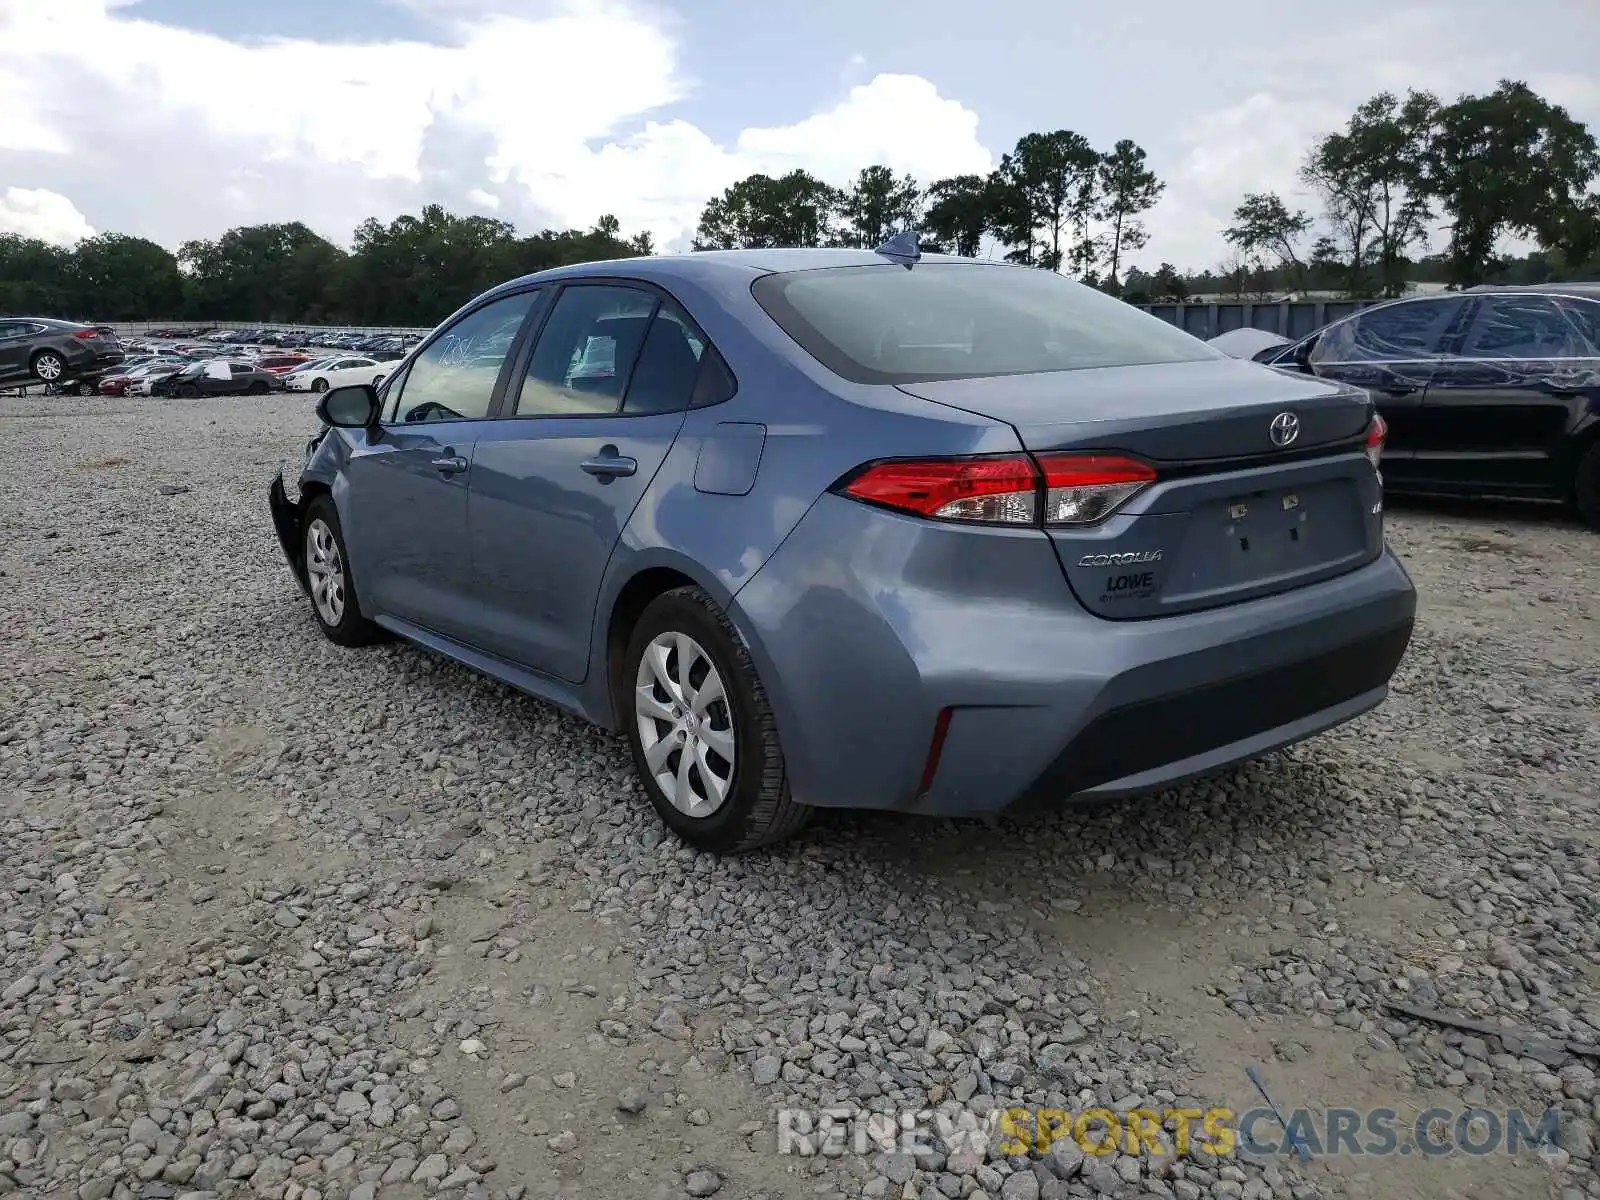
[188,391]
[1586,486]
[83,389]
[333,591]
[319,385]
[704,740]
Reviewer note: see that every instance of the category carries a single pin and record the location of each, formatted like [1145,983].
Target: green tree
[35,278]
[260,272]
[1265,231]
[1510,162]
[1370,178]
[961,212]
[876,207]
[418,269]
[120,278]
[1167,285]
[1046,196]
[1128,189]
[760,212]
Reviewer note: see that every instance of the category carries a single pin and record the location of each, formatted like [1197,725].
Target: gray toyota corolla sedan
[822,528]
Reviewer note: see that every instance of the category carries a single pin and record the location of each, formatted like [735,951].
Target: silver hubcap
[325,570]
[685,724]
[49,367]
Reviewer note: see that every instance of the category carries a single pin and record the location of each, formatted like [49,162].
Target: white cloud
[36,213]
[98,104]
[1306,86]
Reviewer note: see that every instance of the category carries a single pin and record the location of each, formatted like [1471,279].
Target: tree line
[1401,172]
[413,271]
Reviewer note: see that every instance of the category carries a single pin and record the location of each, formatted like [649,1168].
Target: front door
[555,481]
[1391,351]
[1498,411]
[405,509]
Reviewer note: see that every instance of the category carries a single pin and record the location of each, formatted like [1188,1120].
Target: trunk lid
[1232,516]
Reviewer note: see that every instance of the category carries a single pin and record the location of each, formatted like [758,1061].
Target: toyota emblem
[1284,429]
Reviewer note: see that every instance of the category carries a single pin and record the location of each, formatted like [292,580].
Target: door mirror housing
[353,407]
[1302,355]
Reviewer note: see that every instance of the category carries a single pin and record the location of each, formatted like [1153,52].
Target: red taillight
[1012,489]
[1002,490]
[1377,435]
[1081,489]
[87,335]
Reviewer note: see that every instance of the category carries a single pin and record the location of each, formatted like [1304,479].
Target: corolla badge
[1120,560]
[1284,429]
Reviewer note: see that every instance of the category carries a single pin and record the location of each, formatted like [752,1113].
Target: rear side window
[669,364]
[1517,327]
[885,324]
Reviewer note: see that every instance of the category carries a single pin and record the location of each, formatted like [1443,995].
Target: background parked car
[214,378]
[1494,391]
[41,350]
[345,371]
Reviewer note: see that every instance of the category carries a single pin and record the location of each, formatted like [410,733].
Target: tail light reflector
[1011,489]
[1377,435]
[87,335]
[1001,490]
[1081,489]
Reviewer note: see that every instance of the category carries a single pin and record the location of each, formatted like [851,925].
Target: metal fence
[1291,318]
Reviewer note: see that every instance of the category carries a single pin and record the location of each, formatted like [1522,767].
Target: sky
[178,119]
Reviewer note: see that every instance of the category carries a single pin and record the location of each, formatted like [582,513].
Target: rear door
[1391,351]
[405,509]
[597,406]
[1499,409]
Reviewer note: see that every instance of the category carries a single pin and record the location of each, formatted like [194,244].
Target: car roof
[52,322]
[1571,288]
[704,264]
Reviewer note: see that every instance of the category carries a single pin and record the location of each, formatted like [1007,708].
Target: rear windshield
[885,324]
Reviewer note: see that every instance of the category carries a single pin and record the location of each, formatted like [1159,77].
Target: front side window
[454,378]
[1403,332]
[885,324]
[581,363]
[1585,317]
[1523,327]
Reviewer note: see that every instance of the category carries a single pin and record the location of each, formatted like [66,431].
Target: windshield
[885,324]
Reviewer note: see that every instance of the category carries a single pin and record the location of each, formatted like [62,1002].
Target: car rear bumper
[929,668]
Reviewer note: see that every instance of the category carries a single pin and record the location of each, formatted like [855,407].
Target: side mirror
[1302,355]
[353,407]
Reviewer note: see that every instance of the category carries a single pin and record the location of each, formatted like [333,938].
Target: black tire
[188,391]
[377,382]
[83,389]
[47,366]
[1586,485]
[349,628]
[758,809]
[319,385]
[256,389]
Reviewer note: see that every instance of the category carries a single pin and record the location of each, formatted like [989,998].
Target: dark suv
[1492,391]
[40,350]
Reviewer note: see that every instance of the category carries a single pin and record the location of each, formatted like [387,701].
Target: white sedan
[340,371]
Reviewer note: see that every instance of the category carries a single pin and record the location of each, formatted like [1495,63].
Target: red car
[281,364]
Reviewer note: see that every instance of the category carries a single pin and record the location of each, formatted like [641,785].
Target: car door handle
[610,466]
[450,464]
[1398,391]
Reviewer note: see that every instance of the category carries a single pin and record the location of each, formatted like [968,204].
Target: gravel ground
[288,921]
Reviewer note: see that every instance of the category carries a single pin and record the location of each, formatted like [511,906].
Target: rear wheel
[47,366]
[704,740]
[333,591]
[1586,485]
[256,389]
[83,389]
